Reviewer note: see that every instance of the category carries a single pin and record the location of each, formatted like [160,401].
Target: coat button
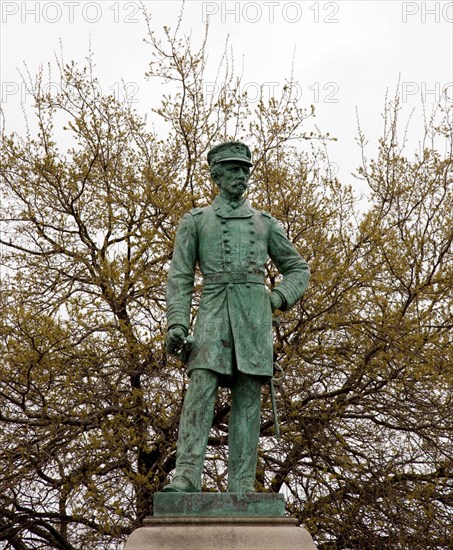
[247,285]
[230,286]
[252,241]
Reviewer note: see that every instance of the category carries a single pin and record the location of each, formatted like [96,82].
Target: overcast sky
[346,53]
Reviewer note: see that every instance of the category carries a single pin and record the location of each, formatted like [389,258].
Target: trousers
[243,428]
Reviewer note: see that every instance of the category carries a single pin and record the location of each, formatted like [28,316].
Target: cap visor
[237,159]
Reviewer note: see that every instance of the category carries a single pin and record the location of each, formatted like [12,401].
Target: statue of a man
[231,242]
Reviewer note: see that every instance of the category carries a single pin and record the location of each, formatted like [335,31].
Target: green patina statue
[232,341]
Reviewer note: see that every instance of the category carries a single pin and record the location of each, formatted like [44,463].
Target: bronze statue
[232,341]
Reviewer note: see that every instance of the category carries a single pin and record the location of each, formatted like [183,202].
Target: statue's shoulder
[197,211]
[258,212]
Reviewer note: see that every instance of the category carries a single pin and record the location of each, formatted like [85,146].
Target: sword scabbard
[274,409]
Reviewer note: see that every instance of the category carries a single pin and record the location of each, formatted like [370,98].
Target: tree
[89,403]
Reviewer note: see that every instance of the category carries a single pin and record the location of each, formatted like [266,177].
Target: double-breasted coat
[231,243]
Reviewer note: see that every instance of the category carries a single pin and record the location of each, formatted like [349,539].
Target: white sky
[347,54]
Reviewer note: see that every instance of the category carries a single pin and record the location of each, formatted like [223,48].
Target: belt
[233,278]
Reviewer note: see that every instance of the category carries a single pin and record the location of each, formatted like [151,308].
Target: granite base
[220,533]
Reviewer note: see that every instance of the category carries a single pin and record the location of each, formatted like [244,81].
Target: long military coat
[231,245]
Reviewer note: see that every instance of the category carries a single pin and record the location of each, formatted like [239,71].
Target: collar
[225,209]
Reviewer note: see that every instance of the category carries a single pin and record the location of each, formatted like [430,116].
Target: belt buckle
[239,277]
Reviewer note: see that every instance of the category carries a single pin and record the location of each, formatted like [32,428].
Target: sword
[275,323]
[274,409]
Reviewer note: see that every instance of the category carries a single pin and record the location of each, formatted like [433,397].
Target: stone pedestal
[219,521]
[191,533]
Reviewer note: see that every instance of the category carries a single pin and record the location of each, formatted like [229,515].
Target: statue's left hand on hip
[276,300]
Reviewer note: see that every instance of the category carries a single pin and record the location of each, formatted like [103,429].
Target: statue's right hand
[175,339]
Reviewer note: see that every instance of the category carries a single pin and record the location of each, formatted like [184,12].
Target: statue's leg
[194,426]
[243,433]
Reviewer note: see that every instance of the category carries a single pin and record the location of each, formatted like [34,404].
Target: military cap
[230,150]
